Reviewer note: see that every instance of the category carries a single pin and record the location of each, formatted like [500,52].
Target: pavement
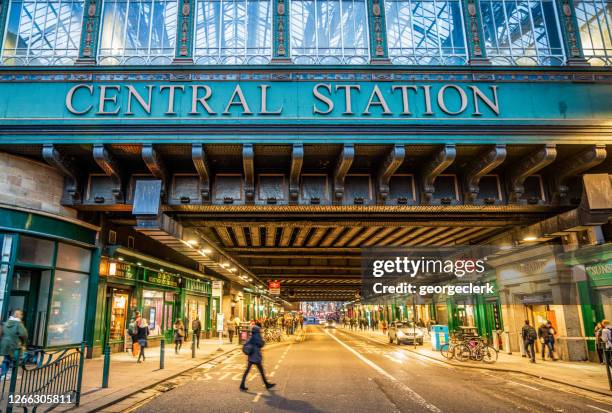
[583,375]
[334,370]
[128,378]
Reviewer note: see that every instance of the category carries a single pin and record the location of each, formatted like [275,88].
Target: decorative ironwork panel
[138,32]
[233,32]
[329,32]
[427,32]
[42,33]
[522,32]
[595,27]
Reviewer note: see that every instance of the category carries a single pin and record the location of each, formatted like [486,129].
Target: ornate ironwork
[481,166]
[201,165]
[393,161]
[155,165]
[66,167]
[297,158]
[529,166]
[345,160]
[442,160]
[248,162]
[575,165]
[107,162]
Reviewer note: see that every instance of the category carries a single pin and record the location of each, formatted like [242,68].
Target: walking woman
[179,335]
[252,348]
[141,337]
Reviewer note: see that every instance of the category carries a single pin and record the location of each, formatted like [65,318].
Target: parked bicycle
[272,334]
[475,348]
[448,349]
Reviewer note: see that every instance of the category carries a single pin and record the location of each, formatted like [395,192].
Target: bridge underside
[301,214]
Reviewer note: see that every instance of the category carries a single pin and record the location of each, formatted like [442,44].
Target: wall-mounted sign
[274,287]
[219,322]
[599,271]
[121,270]
[197,286]
[217,288]
[160,278]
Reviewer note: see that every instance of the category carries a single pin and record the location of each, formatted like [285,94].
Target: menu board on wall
[160,278]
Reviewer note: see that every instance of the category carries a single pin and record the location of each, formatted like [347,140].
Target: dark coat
[196,326]
[14,336]
[143,333]
[257,343]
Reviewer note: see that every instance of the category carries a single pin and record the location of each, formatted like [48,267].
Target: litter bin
[244,332]
[439,336]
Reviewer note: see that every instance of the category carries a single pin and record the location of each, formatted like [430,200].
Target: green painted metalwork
[3,13]
[570,33]
[185,32]
[477,51]
[88,48]
[92,298]
[41,225]
[280,31]
[379,52]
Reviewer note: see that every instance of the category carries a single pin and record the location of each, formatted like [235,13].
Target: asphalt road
[337,371]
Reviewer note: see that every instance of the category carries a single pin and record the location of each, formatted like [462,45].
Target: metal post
[162,350]
[80,376]
[106,367]
[13,382]
[193,345]
[607,359]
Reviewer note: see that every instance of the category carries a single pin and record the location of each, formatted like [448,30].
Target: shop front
[197,302]
[48,269]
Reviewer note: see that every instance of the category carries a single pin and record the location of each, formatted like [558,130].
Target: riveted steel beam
[65,166]
[479,167]
[393,161]
[345,160]
[297,159]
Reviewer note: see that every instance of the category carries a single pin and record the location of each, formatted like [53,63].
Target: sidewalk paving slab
[582,375]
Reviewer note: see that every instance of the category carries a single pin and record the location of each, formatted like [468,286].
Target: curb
[467,366]
[115,401]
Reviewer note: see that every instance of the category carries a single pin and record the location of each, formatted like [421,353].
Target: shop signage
[220,322]
[197,286]
[121,270]
[160,278]
[217,288]
[600,271]
[323,99]
[274,287]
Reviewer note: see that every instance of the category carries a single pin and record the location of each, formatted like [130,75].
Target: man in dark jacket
[14,337]
[254,344]
[529,336]
[196,326]
[547,339]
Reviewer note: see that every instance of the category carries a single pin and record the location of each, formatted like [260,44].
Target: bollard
[106,367]
[162,349]
[193,345]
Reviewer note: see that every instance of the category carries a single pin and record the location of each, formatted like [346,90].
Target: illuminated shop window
[233,32]
[42,33]
[329,32]
[138,32]
[595,25]
[425,32]
[522,32]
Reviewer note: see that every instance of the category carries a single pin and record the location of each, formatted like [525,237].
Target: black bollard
[193,345]
[162,350]
[106,367]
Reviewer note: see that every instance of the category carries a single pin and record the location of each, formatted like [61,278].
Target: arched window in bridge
[428,32]
[42,33]
[233,32]
[522,32]
[595,25]
[329,32]
[138,32]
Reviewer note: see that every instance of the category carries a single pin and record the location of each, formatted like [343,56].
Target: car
[404,332]
[330,324]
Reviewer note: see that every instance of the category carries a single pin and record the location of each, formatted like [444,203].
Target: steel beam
[198,157]
[479,167]
[111,167]
[248,163]
[442,160]
[297,159]
[529,166]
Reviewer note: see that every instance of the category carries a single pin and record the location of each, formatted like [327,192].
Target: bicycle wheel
[462,352]
[489,354]
[447,351]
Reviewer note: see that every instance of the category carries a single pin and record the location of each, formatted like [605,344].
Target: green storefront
[49,269]
[594,287]
[161,291]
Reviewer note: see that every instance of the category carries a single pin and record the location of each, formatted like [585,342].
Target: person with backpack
[196,326]
[546,332]
[529,335]
[252,348]
[179,335]
[141,336]
[14,337]
[606,337]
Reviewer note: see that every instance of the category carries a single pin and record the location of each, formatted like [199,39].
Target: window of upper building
[329,32]
[233,32]
[429,32]
[138,32]
[595,25]
[522,32]
[42,33]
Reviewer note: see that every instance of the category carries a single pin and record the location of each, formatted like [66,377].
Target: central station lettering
[366,99]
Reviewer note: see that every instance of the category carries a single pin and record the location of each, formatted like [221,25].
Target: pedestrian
[14,337]
[231,329]
[179,335]
[547,339]
[301,320]
[141,336]
[383,324]
[606,337]
[252,348]
[599,343]
[529,335]
[196,326]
